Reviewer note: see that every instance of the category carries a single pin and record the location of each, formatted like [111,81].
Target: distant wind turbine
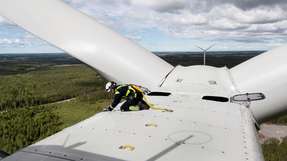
[204,52]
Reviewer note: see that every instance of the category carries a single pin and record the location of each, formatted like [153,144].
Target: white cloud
[26,40]
[186,17]
[214,20]
[226,24]
[260,15]
[15,41]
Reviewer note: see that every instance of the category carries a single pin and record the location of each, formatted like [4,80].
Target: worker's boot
[134,108]
[143,106]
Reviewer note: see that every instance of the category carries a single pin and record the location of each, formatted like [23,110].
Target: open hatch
[215,98]
[159,94]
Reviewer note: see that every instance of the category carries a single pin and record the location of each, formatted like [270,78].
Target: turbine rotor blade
[114,56]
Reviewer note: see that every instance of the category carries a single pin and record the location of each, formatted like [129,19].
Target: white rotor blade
[210,47]
[115,57]
[200,48]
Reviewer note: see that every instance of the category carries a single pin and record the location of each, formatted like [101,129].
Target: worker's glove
[110,108]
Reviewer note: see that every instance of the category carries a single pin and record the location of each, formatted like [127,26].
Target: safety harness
[137,89]
[152,106]
[130,90]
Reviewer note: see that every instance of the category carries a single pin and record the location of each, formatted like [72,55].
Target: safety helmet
[110,86]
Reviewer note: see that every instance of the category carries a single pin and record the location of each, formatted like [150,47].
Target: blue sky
[174,25]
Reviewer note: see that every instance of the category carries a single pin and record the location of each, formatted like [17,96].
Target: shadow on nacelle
[56,153]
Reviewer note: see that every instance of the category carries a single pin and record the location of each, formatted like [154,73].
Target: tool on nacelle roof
[151,125]
[127,147]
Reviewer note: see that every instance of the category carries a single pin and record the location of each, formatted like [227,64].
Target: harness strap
[130,89]
[117,89]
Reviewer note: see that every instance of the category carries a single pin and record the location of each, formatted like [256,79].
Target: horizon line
[153,52]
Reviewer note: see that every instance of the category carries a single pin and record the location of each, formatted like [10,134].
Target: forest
[19,128]
[37,104]
[46,86]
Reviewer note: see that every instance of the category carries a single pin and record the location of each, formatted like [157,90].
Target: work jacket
[124,92]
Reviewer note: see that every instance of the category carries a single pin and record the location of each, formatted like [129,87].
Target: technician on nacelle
[131,93]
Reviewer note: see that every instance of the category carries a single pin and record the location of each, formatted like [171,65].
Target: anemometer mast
[204,52]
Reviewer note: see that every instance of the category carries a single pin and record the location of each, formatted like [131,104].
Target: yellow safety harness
[130,89]
[152,106]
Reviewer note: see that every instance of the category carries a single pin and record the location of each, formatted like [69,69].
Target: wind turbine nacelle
[267,74]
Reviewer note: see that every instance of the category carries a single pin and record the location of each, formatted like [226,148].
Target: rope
[152,106]
[155,107]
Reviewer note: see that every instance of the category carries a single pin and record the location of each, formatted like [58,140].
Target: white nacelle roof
[219,131]
[200,80]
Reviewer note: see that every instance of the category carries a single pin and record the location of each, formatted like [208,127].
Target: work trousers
[134,101]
